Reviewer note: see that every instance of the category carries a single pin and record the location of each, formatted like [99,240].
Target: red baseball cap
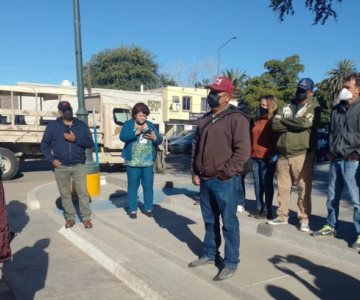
[222,84]
[64,105]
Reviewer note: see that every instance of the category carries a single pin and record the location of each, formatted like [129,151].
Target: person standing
[64,144]
[141,139]
[220,148]
[241,207]
[297,125]
[263,154]
[344,154]
[5,235]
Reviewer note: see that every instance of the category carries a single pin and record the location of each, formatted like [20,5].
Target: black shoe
[225,274]
[201,261]
[133,215]
[148,213]
[253,214]
[261,215]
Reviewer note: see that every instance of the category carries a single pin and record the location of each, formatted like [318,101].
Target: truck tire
[10,164]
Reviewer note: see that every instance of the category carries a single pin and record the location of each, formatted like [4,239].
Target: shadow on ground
[178,226]
[321,283]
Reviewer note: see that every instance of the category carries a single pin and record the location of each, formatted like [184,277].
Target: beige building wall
[182,106]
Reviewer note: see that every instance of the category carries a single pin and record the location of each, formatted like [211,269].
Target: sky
[183,35]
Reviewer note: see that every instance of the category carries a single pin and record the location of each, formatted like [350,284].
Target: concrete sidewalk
[148,257]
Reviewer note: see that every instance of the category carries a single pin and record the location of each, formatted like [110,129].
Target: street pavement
[147,258]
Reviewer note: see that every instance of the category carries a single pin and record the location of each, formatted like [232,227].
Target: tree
[323,9]
[256,88]
[279,80]
[334,82]
[125,68]
[323,95]
[239,79]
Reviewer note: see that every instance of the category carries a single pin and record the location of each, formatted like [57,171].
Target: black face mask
[68,115]
[213,100]
[300,95]
[263,111]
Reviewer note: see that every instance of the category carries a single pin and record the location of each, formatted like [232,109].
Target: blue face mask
[213,100]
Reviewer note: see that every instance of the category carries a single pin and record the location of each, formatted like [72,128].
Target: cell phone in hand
[147,131]
[67,129]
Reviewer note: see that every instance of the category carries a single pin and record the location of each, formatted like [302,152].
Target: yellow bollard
[93,184]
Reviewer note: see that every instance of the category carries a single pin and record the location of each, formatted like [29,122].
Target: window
[204,105]
[186,103]
[121,115]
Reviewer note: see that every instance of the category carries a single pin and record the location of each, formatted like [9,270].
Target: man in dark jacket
[344,153]
[63,144]
[220,149]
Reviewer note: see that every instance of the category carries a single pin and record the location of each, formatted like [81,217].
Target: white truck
[25,111]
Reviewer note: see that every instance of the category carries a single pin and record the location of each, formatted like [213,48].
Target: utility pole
[228,41]
[93,176]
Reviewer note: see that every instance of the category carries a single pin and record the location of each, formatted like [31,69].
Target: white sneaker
[240,208]
[277,221]
[304,227]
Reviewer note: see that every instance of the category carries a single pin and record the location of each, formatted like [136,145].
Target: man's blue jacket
[54,146]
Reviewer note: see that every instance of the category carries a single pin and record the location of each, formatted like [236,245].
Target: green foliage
[239,79]
[343,69]
[258,87]
[323,9]
[279,80]
[125,68]
[323,95]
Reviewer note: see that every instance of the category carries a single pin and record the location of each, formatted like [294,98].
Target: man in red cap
[220,148]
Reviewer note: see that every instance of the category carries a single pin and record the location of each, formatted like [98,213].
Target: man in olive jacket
[297,125]
[220,149]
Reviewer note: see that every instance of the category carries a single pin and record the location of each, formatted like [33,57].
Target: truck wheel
[10,164]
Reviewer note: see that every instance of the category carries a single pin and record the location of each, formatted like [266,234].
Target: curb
[32,200]
[287,234]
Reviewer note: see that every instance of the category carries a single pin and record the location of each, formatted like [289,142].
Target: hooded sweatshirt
[221,144]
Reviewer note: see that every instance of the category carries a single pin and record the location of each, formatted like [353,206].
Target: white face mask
[345,94]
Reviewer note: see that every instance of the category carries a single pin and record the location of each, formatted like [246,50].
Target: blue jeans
[263,174]
[343,173]
[218,198]
[146,176]
[241,189]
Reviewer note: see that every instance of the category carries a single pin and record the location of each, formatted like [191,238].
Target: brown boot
[87,224]
[69,223]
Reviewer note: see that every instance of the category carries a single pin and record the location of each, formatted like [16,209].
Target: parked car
[182,145]
[179,135]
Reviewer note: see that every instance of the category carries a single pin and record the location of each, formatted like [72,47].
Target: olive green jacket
[297,126]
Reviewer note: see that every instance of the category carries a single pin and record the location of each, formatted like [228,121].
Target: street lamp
[92,169]
[228,41]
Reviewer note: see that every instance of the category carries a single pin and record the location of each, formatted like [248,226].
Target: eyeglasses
[141,116]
